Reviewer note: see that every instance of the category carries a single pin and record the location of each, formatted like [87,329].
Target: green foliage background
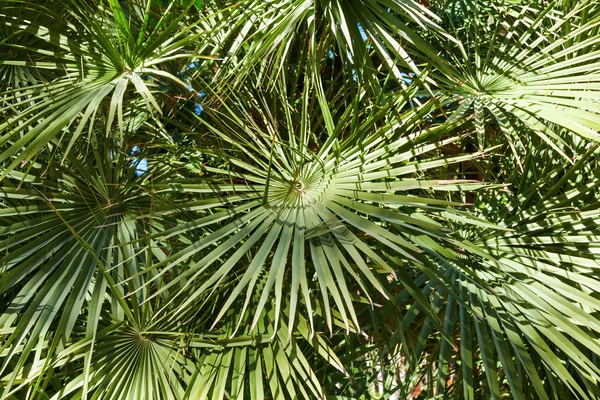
[374,199]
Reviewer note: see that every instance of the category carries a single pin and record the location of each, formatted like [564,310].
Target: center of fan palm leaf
[298,193]
[113,207]
[299,186]
[295,192]
[145,336]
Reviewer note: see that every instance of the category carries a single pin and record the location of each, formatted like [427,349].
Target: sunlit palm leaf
[278,34]
[93,56]
[521,69]
[294,212]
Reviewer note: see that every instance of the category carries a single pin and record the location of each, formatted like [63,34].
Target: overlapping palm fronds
[325,203]
[97,54]
[522,71]
[299,199]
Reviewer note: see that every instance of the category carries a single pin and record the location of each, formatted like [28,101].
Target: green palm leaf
[526,296]
[282,199]
[330,209]
[92,56]
[67,234]
[521,69]
[276,34]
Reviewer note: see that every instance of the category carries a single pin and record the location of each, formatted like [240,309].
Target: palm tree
[299,199]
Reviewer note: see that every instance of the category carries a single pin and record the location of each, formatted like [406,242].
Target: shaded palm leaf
[69,234]
[526,297]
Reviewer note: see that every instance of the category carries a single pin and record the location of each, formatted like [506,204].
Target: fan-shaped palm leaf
[521,69]
[280,34]
[92,56]
[69,234]
[525,298]
[282,204]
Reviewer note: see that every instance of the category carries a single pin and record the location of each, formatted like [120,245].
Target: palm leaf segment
[521,69]
[280,33]
[69,235]
[92,55]
[157,358]
[268,364]
[14,76]
[329,213]
[525,298]
[123,362]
